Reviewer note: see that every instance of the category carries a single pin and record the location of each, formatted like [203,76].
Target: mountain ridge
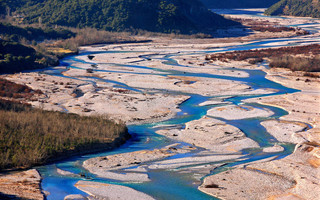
[167,16]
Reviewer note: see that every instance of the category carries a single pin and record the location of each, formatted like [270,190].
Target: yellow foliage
[57,50]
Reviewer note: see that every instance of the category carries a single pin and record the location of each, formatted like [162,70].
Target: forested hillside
[31,26]
[15,33]
[178,16]
[19,48]
[8,7]
[302,8]
[239,3]
[15,57]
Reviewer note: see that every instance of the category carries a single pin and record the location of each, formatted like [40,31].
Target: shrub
[31,136]
[308,64]
[300,58]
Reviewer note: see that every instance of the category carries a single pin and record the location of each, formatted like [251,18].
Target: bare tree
[8,11]
[40,22]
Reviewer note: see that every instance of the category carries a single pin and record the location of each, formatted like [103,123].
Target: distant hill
[239,3]
[178,16]
[302,8]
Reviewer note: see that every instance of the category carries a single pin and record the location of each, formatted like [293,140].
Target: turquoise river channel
[170,184]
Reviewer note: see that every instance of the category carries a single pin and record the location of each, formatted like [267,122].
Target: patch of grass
[58,50]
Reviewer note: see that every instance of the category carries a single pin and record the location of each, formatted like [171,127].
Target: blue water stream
[170,184]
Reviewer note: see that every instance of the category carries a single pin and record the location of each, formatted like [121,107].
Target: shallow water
[170,184]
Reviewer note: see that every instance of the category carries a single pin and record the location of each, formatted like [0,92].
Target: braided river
[171,183]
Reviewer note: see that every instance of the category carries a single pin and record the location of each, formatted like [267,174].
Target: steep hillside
[9,6]
[167,16]
[15,33]
[239,3]
[15,57]
[22,48]
[302,8]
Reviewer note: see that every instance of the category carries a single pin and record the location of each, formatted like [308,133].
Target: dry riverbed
[295,176]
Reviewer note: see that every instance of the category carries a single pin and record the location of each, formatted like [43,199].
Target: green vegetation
[31,136]
[22,48]
[27,48]
[302,8]
[15,57]
[238,3]
[166,16]
[9,6]
[33,27]
[15,33]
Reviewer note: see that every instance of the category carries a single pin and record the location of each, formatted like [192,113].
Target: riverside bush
[302,58]
[30,136]
[297,63]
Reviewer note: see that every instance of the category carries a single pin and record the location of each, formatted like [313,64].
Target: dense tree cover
[239,3]
[15,33]
[167,16]
[302,8]
[46,45]
[19,48]
[31,136]
[7,7]
[15,57]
